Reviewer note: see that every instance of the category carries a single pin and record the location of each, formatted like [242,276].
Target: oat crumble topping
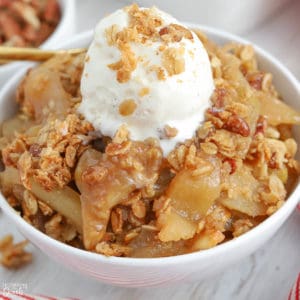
[144,26]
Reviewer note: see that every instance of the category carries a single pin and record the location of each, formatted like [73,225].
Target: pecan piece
[255,80]
[35,150]
[9,26]
[175,33]
[218,97]
[52,12]
[261,125]
[232,163]
[238,125]
[273,164]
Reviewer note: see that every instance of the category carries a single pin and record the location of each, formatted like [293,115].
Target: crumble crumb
[127,107]
[170,132]
[173,60]
[14,256]
[144,91]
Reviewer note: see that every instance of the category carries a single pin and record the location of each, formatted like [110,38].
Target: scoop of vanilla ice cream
[146,70]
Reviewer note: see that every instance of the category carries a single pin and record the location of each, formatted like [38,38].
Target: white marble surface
[267,274]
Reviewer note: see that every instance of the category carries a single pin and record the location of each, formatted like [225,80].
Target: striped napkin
[14,295]
[295,291]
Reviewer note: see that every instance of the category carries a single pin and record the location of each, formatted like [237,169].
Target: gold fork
[10,54]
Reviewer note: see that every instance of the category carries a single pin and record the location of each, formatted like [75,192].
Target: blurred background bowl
[236,16]
[65,29]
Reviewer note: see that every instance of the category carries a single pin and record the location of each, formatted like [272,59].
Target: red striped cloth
[11,295]
[295,291]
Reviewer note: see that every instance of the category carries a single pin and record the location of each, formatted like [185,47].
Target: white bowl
[235,16]
[64,29]
[133,272]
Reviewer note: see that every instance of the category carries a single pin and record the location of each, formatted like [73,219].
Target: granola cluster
[122,197]
[14,256]
[146,26]
[40,158]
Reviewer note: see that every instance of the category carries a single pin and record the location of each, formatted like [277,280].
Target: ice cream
[146,70]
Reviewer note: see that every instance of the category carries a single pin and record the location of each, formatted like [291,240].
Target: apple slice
[277,111]
[106,180]
[191,196]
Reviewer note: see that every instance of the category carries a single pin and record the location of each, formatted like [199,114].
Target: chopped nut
[232,163]
[255,80]
[173,60]
[261,125]
[122,135]
[170,132]
[237,125]
[35,150]
[127,107]
[175,33]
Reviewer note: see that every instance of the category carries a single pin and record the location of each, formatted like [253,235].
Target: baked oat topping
[145,25]
[160,73]
[126,65]
[175,33]
[173,60]
[14,256]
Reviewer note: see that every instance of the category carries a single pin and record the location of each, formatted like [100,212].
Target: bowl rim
[242,241]
[66,7]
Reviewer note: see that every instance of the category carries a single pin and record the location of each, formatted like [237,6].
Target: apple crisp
[124,198]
